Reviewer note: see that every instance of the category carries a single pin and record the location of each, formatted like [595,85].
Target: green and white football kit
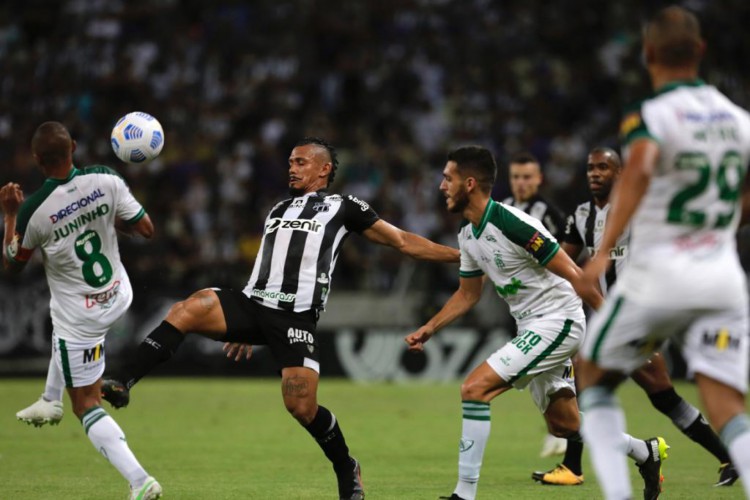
[72,222]
[511,249]
[683,277]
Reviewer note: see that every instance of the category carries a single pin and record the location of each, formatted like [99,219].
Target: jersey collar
[679,83]
[485,217]
[73,172]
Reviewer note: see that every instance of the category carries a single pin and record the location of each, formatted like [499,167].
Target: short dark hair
[608,151]
[675,34]
[52,144]
[478,162]
[524,157]
[330,149]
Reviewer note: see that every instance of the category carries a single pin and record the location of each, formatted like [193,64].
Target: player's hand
[236,350]
[416,340]
[11,197]
[588,284]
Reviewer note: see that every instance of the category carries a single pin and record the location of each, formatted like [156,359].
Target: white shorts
[624,334]
[539,356]
[81,362]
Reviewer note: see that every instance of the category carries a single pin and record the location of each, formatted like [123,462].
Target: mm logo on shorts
[722,340]
[295,336]
[93,354]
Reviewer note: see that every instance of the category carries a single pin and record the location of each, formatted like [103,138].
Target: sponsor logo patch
[307,225]
[104,299]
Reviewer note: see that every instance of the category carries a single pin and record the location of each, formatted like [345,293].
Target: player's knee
[302,410]
[472,390]
[563,427]
[189,311]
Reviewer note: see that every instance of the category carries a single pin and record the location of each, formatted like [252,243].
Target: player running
[584,229]
[687,149]
[72,220]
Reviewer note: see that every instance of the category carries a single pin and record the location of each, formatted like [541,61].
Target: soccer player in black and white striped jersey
[584,229]
[287,290]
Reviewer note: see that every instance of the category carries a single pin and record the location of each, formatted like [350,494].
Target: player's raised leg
[200,313]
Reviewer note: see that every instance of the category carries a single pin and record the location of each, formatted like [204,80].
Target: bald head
[52,145]
[672,38]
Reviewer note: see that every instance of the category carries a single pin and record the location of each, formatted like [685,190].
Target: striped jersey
[538,208]
[512,248]
[682,242]
[72,222]
[302,238]
[585,228]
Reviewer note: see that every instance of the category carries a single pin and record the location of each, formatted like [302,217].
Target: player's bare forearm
[10,246]
[467,295]
[410,244]
[423,249]
[562,265]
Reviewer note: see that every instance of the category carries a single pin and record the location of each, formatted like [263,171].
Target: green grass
[232,438]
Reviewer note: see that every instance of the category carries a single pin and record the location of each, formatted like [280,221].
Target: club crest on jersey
[307,225]
[499,261]
[104,299]
[321,206]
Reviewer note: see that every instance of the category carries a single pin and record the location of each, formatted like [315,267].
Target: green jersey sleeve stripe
[137,217]
[471,274]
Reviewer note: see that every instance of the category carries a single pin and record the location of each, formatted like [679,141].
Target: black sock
[672,405]
[325,429]
[155,349]
[573,453]
[702,433]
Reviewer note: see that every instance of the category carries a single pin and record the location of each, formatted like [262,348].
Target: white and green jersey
[512,248]
[682,247]
[72,222]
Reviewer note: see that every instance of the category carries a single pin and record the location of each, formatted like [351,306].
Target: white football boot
[42,412]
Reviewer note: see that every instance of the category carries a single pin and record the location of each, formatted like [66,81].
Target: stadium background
[393,84]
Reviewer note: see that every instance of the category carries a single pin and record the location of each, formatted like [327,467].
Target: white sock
[603,432]
[736,437]
[108,438]
[55,385]
[474,435]
[637,449]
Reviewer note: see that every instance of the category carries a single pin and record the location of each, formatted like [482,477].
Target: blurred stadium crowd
[392,83]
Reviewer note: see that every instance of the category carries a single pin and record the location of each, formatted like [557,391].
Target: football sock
[689,420]
[573,453]
[603,431]
[108,438]
[155,349]
[325,429]
[637,449]
[736,437]
[474,435]
[55,385]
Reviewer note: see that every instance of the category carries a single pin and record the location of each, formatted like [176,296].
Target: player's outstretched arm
[410,244]
[11,198]
[468,294]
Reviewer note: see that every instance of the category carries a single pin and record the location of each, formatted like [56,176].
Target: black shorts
[291,336]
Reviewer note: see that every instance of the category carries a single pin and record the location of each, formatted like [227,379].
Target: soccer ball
[137,137]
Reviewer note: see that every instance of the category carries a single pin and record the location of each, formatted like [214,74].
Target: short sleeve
[128,208]
[633,126]
[468,267]
[529,234]
[358,215]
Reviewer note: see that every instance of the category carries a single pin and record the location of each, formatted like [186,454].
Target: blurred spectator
[392,84]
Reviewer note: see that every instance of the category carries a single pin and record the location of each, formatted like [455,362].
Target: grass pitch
[232,439]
